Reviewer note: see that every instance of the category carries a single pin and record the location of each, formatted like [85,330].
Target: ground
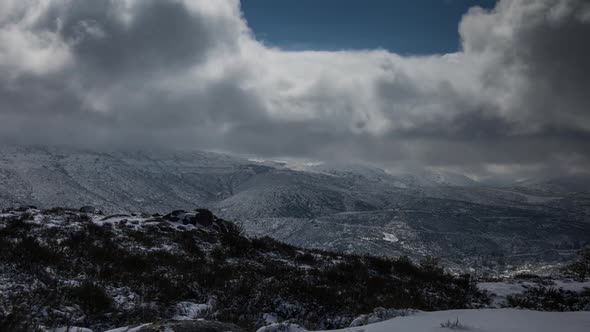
[484,320]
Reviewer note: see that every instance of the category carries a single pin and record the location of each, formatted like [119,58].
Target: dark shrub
[31,251]
[305,258]
[91,297]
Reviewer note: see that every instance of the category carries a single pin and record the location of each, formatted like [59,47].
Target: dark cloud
[188,73]
[161,35]
[538,58]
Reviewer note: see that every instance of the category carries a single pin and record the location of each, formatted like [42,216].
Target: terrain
[534,224]
[62,267]
[65,270]
[497,320]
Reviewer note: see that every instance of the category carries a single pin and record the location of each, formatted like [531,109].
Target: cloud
[189,73]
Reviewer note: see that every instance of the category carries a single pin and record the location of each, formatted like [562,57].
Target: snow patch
[390,237]
[483,320]
[129,328]
[282,327]
[190,310]
[501,290]
[381,314]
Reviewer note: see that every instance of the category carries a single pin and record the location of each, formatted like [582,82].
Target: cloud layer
[189,73]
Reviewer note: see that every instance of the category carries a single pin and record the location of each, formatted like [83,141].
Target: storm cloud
[190,74]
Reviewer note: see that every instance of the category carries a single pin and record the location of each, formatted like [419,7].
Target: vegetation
[580,269]
[455,324]
[73,273]
[551,299]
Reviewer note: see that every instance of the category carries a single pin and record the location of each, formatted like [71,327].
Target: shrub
[91,297]
[550,299]
[248,277]
[305,258]
[455,324]
[580,268]
[31,250]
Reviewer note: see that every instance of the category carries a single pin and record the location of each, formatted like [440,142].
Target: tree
[580,268]
[431,264]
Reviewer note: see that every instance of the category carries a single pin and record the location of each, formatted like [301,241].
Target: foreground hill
[349,208]
[63,267]
[487,320]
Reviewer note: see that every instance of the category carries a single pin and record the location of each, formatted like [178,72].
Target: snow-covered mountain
[563,184]
[345,207]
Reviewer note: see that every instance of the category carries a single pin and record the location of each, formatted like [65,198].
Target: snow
[270,318]
[282,327]
[190,310]
[128,328]
[501,290]
[381,314]
[269,198]
[484,320]
[390,237]
[70,329]
[574,286]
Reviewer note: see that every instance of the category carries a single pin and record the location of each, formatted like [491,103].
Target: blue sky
[403,27]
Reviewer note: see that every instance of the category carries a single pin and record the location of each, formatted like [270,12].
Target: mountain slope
[61,267]
[345,207]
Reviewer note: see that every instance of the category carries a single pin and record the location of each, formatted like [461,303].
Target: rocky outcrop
[90,209]
[200,218]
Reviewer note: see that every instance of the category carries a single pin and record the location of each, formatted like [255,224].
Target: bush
[91,297]
[30,250]
[580,268]
[455,324]
[305,258]
[550,299]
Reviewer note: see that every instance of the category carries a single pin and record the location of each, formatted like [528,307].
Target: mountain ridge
[320,205]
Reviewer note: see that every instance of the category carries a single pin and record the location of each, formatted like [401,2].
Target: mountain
[563,184]
[350,208]
[118,181]
[403,177]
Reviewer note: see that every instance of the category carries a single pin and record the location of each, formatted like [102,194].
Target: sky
[500,90]
[419,27]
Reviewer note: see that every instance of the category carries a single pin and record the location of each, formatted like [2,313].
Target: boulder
[175,215]
[90,209]
[204,217]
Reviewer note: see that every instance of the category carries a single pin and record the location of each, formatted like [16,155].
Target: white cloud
[190,73]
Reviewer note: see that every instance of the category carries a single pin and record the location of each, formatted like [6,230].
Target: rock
[90,209]
[175,215]
[380,314]
[191,326]
[359,321]
[282,327]
[120,215]
[204,217]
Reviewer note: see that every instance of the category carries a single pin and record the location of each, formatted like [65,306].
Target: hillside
[63,267]
[497,320]
[344,207]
